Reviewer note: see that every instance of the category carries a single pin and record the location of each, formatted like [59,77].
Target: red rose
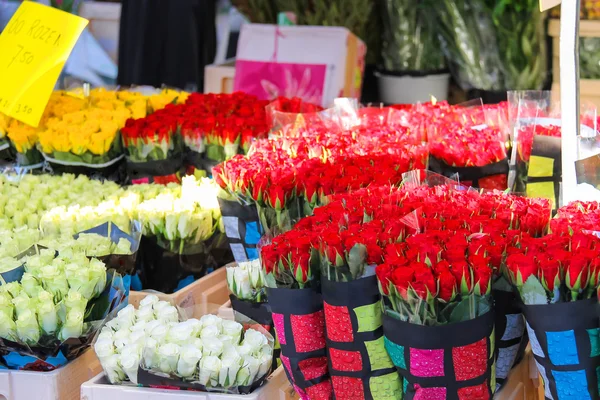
[577,273]
[424,284]
[384,274]
[463,275]
[402,278]
[446,284]
[549,273]
[521,267]
[482,279]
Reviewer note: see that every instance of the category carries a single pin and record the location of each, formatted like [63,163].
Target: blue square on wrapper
[396,353]
[252,233]
[562,348]
[594,341]
[252,253]
[571,385]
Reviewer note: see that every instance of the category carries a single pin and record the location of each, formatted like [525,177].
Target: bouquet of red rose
[153,146]
[290,263]
[557,277]
[438,321]
[283,113]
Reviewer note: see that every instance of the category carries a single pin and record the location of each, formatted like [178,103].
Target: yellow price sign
[35,46]
[548,4]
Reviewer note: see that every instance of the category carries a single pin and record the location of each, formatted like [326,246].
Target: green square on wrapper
[386,387]
[369,317]
[377,355]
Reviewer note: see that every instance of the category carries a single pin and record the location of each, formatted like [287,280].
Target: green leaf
[356,260]
[533,292]
[464,310]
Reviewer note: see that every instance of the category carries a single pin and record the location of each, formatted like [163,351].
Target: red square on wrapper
[313,368]
[343,360]
[320,391]
[308,331]
[339,325]
[348,388]
[480,392]
[470,361]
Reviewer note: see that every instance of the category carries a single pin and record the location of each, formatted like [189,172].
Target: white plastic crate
[276,388]
[61,384]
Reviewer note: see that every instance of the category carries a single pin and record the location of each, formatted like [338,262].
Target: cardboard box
[218,78]
[315,63]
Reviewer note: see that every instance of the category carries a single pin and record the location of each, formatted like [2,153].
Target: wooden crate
[218,78]
[105,23]
[61,384]
[209,292]
[590,88]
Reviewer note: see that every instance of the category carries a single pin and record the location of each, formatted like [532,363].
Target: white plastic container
[61,384]
[408,89]
[276,388]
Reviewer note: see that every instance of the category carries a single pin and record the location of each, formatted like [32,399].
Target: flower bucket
[359,365]
[446,361]
[565,343]
[409,89]
[300,326]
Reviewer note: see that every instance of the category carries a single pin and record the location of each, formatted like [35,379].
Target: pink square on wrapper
[429,393]
[348,388]
[320,391]
[479,392]
[338,323]
[286,363]
[470,361]
[308,331]
[313,368]
[278,322]
[426,363]
[343,360]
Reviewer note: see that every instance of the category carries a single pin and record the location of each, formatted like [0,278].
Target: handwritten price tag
[35,46]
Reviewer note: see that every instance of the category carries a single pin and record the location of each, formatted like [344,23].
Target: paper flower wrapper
[454,361]
[565,342]
[359,365]
[50,352]
[300,325]
[242,227]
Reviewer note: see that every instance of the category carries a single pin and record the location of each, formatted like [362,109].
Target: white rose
[75,301]
[254,339]
[210,331]
[195,325]
[168,314]
[180,333]
[169,357]
[48,317]
[104,348]
[6,305]
[211,320]
[256,274]
[130,361]
[112,367]
[150,354]
[139,326]
[188,361]
[233,329]
[137,337]
[149,301]
[8,328]
[197,343]
[151,325]
[242,284]
[210,367]
[160,332]
[23,303]
[106,333]
[248,372]
[230,365]
[265,364]
[212,346]
[28,329]
[73,326]
[159,306]
[145,314]
[126,317]
[30,284]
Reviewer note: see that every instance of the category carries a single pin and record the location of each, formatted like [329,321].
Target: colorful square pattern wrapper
[510,334]
[359,365]
[299,322]
[242,228]
[565,352]
[454,361]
